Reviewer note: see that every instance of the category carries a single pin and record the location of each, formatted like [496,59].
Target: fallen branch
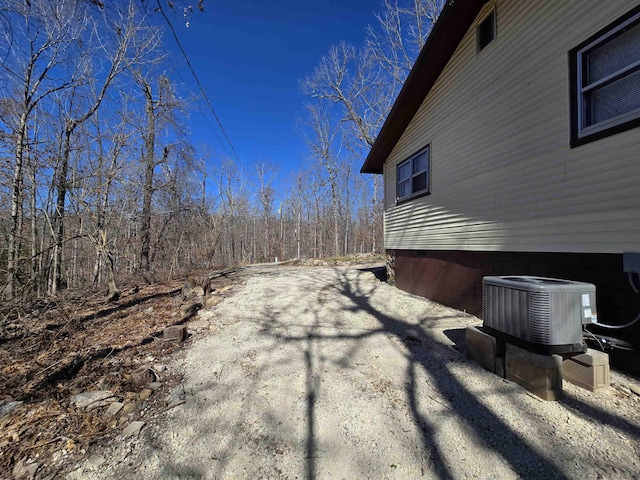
[173,405]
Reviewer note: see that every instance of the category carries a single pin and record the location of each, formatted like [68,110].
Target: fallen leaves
[78,371]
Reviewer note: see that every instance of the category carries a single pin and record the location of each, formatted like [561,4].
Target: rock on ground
[93,399]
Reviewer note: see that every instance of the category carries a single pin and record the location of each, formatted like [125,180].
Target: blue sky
[250,56]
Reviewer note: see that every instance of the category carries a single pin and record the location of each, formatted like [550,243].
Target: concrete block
[177,332]
[485,349]
[540,374]
[588,370]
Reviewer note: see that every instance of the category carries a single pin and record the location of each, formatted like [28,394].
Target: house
[514,148]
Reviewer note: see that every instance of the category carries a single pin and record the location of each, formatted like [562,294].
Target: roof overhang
[452,24]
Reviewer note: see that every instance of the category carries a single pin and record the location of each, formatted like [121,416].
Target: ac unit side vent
[538,313]
[539,317]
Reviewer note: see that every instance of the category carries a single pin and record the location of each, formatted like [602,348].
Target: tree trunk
[149,163]
[33,240]
[16,209]
[59,214]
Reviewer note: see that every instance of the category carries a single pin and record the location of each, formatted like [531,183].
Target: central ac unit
[540,314]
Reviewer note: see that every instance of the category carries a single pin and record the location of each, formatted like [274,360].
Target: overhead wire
[176,70]
[203,92]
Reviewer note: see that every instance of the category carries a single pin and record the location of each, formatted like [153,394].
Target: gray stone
[94,462]
[8,407]
[187,292]
[177,332]
[133,429]
[114,409]
[159,367]
[143,375]
[91,400]
[198,291]
[155,386]
[22,470]
[190,308]
[128,409]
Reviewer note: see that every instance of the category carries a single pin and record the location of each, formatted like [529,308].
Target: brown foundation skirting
[454,278]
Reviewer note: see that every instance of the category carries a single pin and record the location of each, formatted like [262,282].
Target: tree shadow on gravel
[592,413]
[435,358]
[319,334]
[568,401]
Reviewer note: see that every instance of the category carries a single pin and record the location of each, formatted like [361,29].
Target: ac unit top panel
[538,284]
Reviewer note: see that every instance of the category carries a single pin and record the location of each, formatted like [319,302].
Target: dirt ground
[327,372]
[62,349]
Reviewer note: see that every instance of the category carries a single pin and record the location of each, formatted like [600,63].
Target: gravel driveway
[327,372]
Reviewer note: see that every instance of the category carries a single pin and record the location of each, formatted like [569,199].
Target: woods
[113,213]
[100,180]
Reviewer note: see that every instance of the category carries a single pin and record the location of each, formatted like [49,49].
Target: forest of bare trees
[99,182]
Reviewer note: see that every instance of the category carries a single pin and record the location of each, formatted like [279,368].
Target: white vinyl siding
[503,176]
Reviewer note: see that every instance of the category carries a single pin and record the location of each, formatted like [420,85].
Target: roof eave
[447,33]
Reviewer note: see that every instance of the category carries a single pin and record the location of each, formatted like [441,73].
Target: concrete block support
[540,374]
[588,370]
[485,349]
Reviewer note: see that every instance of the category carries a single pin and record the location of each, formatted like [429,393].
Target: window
[605,81]
[413,176]
[486,31]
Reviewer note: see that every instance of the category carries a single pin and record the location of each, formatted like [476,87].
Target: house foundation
[454,278]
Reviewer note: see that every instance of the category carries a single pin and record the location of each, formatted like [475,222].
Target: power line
[204,94]
[176,70]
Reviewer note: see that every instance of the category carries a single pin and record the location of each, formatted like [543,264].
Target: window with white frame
[413,175]
[605,73]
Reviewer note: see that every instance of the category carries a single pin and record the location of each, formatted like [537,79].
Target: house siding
[503,176]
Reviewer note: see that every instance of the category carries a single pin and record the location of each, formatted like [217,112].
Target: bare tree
[39,42]
[266,200]
[123,42]
[346,79]
[402,30]
[159,111]
[358,86]
[323,148]
[106,171]
[364,83]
